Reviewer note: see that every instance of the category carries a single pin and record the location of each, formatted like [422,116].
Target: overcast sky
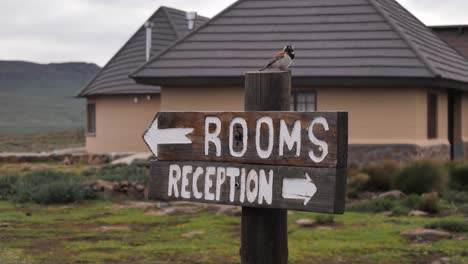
[93,30]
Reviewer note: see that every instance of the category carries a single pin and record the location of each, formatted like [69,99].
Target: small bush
[421,177]
[429,203]
[381,175]
[357,183]
[138,172]
[412,201]
[374,206]
[6,185]
[324,219]
[49,187]
[456,197]
[458,226]
[459,177]
[400,210]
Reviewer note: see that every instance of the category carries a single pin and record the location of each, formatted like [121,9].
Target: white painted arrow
[155,136]
[299,189]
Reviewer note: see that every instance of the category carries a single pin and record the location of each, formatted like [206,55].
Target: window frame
[294,99]
[432,115]
[90,133]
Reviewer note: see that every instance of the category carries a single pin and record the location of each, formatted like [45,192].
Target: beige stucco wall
[202,99]
[376,115]
[442,118]
[385,116]
[120,123]
[465,117]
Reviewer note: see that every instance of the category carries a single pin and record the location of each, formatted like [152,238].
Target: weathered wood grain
[335,137]
[328,198]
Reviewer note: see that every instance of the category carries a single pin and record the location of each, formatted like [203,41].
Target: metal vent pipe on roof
[191,17]
[149,35]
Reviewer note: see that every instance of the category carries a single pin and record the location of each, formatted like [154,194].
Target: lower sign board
[296,188]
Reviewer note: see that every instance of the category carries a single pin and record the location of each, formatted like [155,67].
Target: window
[432,116]
[91,118]
[303,102]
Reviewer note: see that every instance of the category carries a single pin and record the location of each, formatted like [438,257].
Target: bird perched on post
[282,60]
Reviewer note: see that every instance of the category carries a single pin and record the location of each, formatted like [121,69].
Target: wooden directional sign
[286,160]
[273,138]
[295,188]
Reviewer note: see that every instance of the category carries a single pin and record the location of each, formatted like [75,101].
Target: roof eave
[308,81]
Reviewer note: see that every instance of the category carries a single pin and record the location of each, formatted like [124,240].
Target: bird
[282,60]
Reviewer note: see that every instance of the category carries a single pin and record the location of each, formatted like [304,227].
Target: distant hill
[42,96]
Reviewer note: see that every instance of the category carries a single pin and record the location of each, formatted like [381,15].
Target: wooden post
[264,232]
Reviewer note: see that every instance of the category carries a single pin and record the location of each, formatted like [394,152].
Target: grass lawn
[39,141]
[97,232]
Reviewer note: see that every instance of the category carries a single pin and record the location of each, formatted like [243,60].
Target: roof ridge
[133,73]
[169,17]
[84,91]
[403,35]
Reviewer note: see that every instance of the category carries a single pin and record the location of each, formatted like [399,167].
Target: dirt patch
[111,228]
[134,205]
[193,234]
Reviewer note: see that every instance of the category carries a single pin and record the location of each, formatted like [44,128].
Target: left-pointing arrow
[155,136]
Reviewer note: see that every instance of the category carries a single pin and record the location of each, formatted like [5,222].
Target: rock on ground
[418,213]
[392,194]
[425,235]
[305,223]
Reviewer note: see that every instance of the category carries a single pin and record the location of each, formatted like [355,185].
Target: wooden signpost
[265,161]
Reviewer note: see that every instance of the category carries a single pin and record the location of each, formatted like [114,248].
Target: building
[455,35]
[404,87]
[118,109]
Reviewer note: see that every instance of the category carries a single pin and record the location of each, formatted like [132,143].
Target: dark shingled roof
[169,25]
[333,38]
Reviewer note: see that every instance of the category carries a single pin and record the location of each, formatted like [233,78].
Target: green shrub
[49,187]
[458,226]
[357,183]
[374,206]
[429,203]
[412,201]
[459,177]
[138,172]
[421,177]
[400,210]
[322,219]
[456,197]
[381,176]
[6,185]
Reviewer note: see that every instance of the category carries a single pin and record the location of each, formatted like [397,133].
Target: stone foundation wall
[466,151]
[361,155]
[94,159]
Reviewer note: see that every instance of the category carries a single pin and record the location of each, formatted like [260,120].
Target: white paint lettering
[212,137]
[210,171]
[243,124]
[264,154]
[323,146]
[174,177]
[183,190]
[197,194]
[242,186]
[232,173]
[265,191]
[252,191]
[220,179]
[290,138]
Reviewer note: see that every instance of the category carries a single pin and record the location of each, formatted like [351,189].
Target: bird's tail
[264,68]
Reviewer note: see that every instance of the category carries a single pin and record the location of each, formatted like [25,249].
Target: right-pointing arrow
[299,189]
[155,136]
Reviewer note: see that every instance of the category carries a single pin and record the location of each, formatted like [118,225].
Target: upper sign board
[313,139]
